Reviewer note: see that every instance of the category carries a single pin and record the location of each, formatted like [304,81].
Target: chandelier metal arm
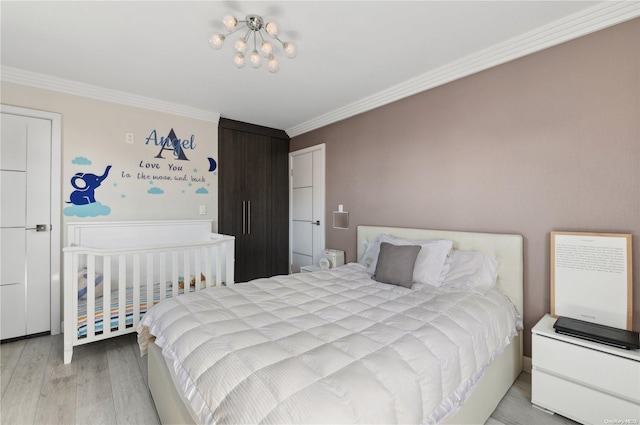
[278,38]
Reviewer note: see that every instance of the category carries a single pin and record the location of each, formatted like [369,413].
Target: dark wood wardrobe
[253,197]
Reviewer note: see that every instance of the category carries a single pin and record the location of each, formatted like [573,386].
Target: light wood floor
[106,384]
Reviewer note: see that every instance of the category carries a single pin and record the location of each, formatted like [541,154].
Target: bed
[133,266]
[321,382]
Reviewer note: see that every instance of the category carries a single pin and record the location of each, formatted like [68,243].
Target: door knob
[317,222]
[38,228]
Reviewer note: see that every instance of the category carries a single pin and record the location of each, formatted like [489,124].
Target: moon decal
[212,164]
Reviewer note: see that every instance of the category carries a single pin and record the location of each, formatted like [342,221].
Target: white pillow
[471,268]
[431,259]
[370,256]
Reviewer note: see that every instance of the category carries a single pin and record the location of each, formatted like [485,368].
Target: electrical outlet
[203,209]
[129,138]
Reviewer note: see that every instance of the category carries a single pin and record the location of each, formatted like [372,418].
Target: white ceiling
[353,55]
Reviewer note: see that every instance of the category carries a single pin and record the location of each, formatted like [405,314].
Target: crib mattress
[115,307]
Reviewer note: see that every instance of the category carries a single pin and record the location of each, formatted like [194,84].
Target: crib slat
[74,293]
[174,273]
[207,265]
[136,290]
[91,296]
[186,270]
[163,275]
[106,296]
[149,281]
[197,265]
[219,277]
[122,293]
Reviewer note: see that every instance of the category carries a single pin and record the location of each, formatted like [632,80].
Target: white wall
[139,186]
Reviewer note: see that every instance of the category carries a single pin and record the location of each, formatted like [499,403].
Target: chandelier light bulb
[255,59]
[241,45]
[272,29]
[290,50]
[229,22]
[272,64]
[267,47]
[216,41]
[238,60]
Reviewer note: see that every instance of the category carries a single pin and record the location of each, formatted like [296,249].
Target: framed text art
[591,277]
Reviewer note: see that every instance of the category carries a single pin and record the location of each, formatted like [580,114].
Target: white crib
[128,267]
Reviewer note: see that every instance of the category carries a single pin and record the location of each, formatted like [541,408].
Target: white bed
[489,387]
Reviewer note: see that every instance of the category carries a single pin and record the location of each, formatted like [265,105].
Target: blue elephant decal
[85,185]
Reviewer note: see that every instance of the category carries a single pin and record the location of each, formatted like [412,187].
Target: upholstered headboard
[506,248]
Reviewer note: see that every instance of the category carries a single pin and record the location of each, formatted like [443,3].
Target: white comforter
[331,346]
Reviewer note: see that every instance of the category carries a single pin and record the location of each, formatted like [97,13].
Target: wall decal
[80,160]
[90,210]
[83,197]
[85,185]
[212,164]
[171,161]
[202,191]
[172,143]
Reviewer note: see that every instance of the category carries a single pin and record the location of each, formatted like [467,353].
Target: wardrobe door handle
[249,217]
[244,217]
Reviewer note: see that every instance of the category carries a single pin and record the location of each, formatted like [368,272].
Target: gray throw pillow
[395,264]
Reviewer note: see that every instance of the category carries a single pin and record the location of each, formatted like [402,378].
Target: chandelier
[259,33]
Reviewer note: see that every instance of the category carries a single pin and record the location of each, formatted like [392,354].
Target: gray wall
[547,142]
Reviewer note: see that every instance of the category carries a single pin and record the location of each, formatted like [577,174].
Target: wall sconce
[340,218]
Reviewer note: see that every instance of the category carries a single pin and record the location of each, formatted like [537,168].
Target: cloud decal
[155,191]
[81,160]
[94,209]
[202,191]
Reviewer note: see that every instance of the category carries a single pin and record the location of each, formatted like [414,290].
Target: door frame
[322,148]
[55,215]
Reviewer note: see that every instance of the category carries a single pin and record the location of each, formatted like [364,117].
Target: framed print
[591,277]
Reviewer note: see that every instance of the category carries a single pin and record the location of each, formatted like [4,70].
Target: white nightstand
[586,381]
[309,268]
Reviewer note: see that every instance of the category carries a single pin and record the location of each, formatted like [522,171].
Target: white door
[25,222]
[307,193]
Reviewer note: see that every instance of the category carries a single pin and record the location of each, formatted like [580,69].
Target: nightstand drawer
[578,402]
[612,374]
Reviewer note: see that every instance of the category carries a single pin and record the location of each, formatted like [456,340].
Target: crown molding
[48,82]
[593,19]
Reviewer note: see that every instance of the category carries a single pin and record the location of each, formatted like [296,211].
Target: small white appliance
[331,258]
